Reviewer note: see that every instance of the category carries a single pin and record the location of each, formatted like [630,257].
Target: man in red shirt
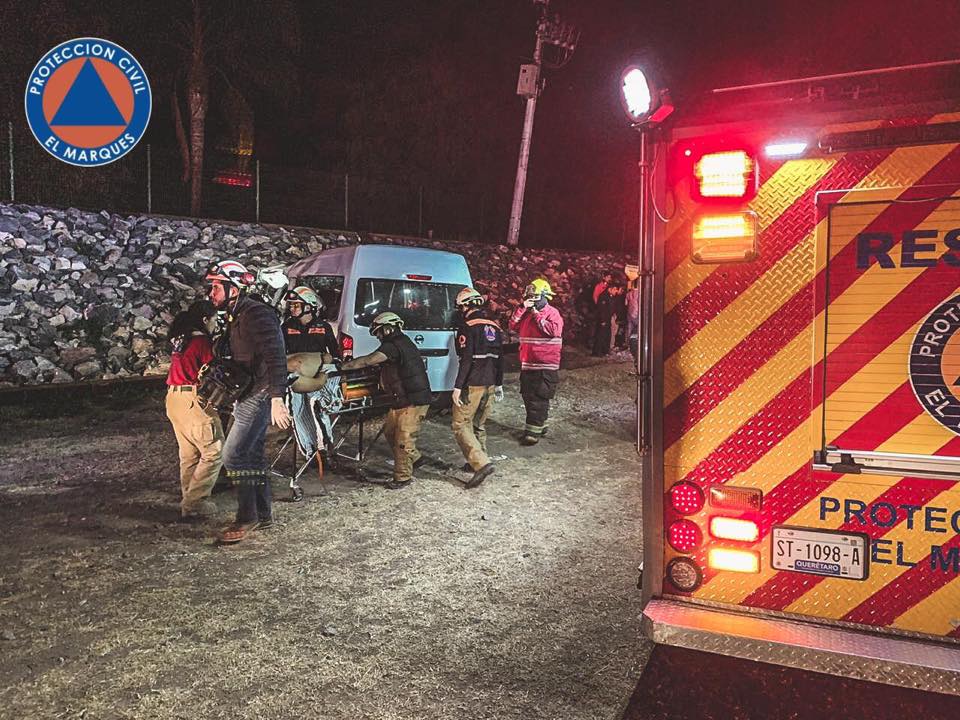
[199,432]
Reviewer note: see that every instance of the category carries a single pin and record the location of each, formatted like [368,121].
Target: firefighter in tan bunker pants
[404,376]
[479,382]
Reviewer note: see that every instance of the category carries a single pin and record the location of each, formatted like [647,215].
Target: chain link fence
[149,180]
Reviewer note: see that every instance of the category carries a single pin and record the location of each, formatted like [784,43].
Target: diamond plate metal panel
[738,383]
[833,651]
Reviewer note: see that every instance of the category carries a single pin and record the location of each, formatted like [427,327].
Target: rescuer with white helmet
[479,381]
[305,328]
[253,341]
[310,345]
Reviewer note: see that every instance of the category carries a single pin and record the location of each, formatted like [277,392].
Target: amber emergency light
[727,237]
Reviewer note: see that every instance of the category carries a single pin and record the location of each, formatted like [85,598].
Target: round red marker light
[684,536]
[686,498]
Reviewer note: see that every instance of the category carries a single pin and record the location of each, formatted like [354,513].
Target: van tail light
[744,561]
[346,345]
[727,237]
[727,528]
[728,175]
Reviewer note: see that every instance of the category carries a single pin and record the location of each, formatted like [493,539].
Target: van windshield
[422,305]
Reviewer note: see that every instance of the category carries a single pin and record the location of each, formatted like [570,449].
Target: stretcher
[329,421]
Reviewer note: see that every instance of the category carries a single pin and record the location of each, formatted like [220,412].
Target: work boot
[480,475]
[397,484]
[528,439]
[203,510]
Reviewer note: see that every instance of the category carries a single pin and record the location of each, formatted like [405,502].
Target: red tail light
[686,498]
[727,175]
[684,536]
[346,345]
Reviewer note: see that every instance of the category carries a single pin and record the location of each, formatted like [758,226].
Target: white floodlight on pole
[646,107]
[635,93]
[644,103]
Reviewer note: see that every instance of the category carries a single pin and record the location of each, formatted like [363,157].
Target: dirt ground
[516,599]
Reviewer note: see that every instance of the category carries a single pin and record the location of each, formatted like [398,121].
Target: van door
[430,319]
[892,291]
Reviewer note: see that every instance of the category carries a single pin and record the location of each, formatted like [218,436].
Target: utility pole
[550,31]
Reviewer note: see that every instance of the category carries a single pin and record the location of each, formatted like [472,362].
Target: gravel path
[516,599]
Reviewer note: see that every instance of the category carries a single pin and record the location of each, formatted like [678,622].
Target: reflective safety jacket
[318,336]
[480,347]
[541,337]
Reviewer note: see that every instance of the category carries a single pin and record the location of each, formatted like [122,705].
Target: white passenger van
[358,283]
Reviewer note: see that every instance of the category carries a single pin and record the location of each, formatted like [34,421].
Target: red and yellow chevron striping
[808,346]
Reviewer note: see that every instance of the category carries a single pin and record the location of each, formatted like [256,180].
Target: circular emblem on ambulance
[935,364]
[88,102]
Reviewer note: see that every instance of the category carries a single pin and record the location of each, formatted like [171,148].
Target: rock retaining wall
[87,296]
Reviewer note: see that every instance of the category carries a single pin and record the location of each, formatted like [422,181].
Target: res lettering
[916,249]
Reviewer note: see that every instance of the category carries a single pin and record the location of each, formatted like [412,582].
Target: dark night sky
[426,88]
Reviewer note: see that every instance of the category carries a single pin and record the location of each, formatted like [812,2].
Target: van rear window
[422,305]
[328,287]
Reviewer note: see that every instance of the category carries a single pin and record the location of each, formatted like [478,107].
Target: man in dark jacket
[405,376]
[479,381]
[254,341]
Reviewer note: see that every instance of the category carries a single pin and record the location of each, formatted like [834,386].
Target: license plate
[820,552]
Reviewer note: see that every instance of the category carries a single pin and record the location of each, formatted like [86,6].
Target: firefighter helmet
[386,320]
[230,271]
[469,296]
[305,295]
[539,288]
